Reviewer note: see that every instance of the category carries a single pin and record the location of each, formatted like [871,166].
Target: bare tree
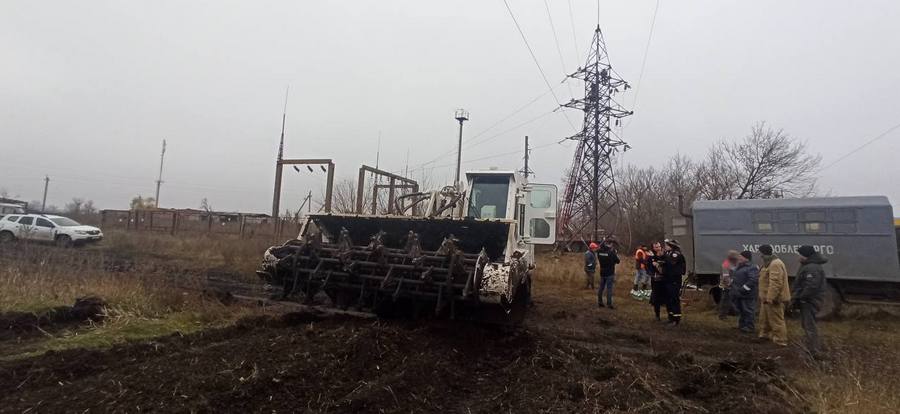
[343,196]
[139,203]
[205,206]
[74,207]
[344,193]
[641,195]
[682,177]
[767,163]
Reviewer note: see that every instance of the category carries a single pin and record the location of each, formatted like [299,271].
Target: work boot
[600,305]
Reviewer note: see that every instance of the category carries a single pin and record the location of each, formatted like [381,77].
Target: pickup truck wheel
[64,241]
[7,237]
[831,305]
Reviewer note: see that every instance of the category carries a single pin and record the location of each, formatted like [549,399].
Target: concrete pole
[276,198]
[329,187]
[461,116]
[360,190]
[46,185]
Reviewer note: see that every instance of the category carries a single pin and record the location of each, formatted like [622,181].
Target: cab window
[27,221]
[44,223]
[540,228]
[540,198]
[489,197]
[12,218]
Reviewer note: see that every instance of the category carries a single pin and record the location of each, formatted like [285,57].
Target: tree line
[766,163]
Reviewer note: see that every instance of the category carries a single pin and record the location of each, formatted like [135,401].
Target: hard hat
[593,246]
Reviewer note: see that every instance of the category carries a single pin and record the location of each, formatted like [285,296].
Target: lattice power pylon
[591,193]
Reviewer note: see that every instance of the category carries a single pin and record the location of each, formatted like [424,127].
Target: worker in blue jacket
[744,291]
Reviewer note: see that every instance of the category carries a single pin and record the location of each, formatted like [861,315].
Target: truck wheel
[6,237]
[831,305]
[64,241]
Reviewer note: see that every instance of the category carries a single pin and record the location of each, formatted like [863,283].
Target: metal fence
[244,226]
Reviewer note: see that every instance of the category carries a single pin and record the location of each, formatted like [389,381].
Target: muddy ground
[568,357]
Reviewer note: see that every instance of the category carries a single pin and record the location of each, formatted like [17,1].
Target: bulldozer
[462,252]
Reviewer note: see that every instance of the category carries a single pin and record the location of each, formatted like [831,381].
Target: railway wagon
[857,234]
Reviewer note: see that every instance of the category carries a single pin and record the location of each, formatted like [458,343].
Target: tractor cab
[506,195]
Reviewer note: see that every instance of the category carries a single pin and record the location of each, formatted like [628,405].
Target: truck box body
[856,234]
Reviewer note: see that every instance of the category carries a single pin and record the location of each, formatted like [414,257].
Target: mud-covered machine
[452,253]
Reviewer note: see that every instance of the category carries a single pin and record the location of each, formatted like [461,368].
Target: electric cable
[536,63]
[859,148]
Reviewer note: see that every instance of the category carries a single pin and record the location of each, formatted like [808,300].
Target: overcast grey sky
[89,89]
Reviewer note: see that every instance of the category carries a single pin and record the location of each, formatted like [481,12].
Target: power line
[562,61]
[536,63]
[468,139]
[494,156]
[508,130]
[859,148]
[574,36]
[637,88]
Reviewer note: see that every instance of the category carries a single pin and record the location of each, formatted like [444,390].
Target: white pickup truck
[63,231]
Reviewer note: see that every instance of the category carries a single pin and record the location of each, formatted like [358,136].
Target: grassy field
[153,285]
[861,375]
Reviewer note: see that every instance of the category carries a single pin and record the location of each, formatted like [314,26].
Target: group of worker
[746,286]
[662,267]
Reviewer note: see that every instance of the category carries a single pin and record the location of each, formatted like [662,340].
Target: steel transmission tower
[591,194]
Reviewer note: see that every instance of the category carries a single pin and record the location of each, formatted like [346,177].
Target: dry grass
[191,251]
[152,283]
[861,376]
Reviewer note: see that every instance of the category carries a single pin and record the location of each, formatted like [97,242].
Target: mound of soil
[25,324]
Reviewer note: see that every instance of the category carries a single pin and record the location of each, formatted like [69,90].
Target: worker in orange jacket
[641,277]
[774,295]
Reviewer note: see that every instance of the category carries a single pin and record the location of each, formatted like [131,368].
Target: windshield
[489,194]
[64,222]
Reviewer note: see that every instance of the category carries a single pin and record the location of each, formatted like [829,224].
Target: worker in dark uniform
[809,293]
[673,267]
[657,286]
[608,258]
